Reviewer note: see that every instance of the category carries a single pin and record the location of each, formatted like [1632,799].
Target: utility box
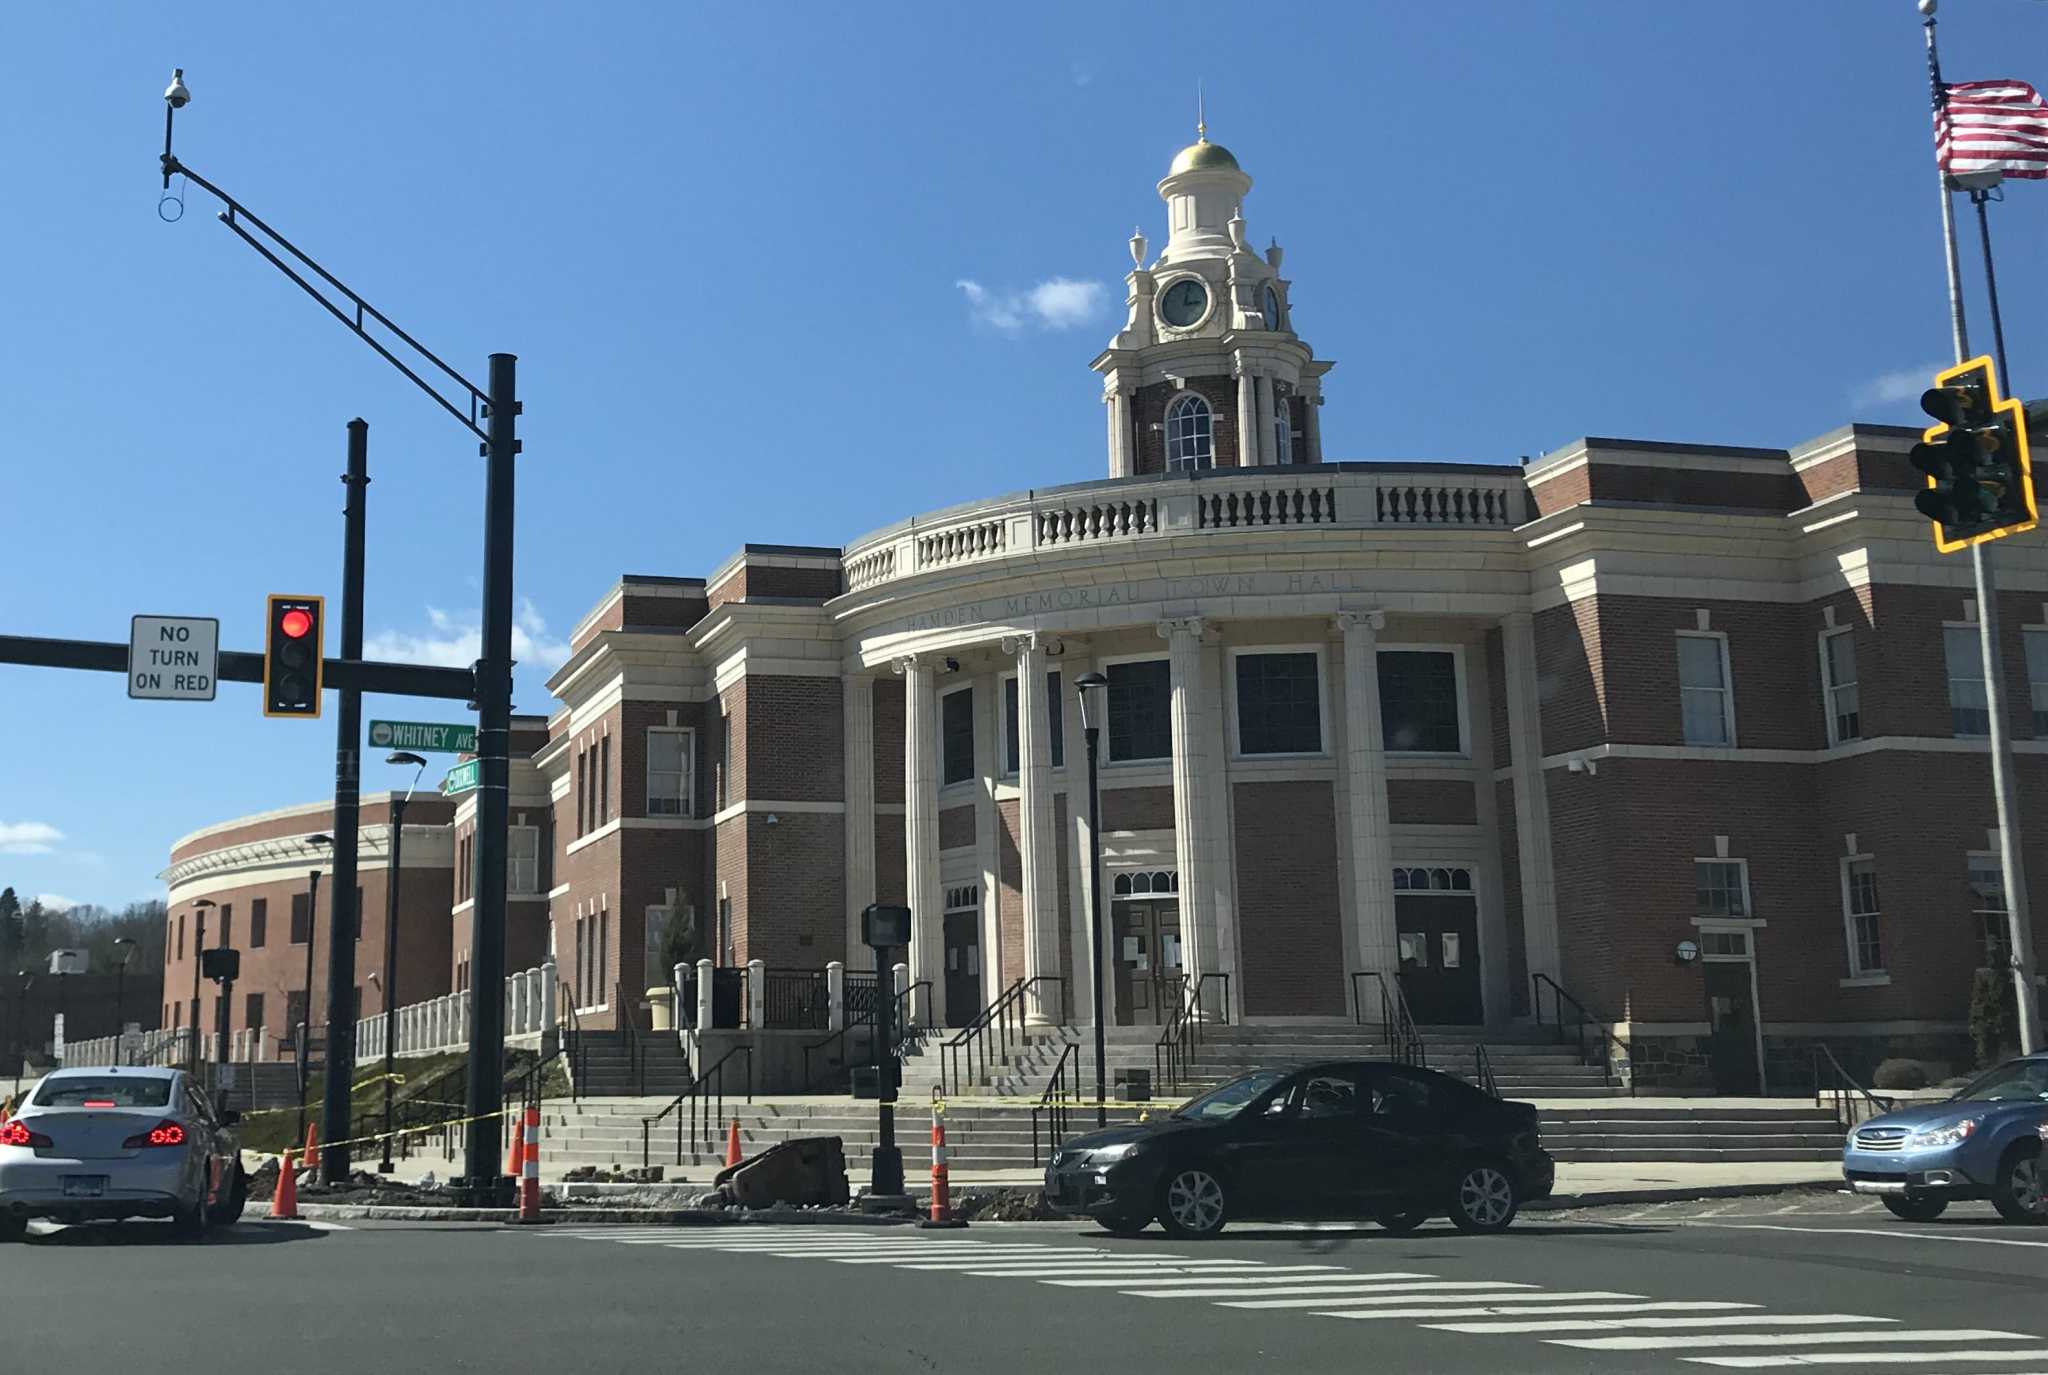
[221,965]
[867,1080]
[1134,1085]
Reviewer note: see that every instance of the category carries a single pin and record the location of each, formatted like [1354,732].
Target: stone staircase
[608,1071]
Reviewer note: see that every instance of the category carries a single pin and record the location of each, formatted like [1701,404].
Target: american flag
[1992,126]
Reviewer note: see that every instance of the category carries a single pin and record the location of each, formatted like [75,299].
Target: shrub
[1994,1015]
[1900,1074]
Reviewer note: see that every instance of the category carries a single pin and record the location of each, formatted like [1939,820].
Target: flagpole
[2018,923]
[1960,330]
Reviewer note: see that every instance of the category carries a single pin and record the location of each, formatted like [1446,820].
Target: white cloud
[28,838]
[452,642]
[1891,388]
[1055,303]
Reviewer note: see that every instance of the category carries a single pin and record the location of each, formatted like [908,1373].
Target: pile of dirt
[1003,1205]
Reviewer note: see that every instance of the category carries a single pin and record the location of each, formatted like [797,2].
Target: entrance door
[963,967]
[1439,947]
[1732,1010]
[1147,963]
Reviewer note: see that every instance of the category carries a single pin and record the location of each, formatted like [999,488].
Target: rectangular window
[181,938]
[1987,904]
[604,781]
[1719,888]
[302,920]
[1725,943]
[522,860]
[1838,663]
[724,759]
[1968,711]
[1703,696]
[1419,702]
[259,923]
[582,968]
[2037,678]
[1279,704]
[583,792]
[956,735]
[1141,710]
[252,1011]
[1054,712]
[227,926]
[668,772]
[1866,943]
[604,967]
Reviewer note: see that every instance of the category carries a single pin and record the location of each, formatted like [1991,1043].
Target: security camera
[175,94]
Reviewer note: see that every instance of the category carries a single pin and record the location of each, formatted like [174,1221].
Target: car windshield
[2020,1079]
[1227,1101]
[152,1091]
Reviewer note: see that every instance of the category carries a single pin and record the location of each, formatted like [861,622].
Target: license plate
[84,1185]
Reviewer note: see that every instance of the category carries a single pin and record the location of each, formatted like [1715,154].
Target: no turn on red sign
[176,658]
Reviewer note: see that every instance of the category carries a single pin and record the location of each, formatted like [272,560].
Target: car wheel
[1484,1199]
[1118,1226]
[1192,1203]
[193,1224]
[1915,1208]
[1401,1222]
[229,1211]
[2018,1191]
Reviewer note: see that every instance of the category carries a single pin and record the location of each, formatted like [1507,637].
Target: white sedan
[118,1143]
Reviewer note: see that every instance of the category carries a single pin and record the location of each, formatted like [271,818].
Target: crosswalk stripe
[1866,1358]
[1445,1311]
[1213,1272]
[1090,1264]
[990,1257]
[1272,1274]
[1952,1334]
[1364,1297]
[1613,1324]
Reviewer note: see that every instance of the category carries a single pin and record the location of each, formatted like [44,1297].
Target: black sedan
[1352,1139]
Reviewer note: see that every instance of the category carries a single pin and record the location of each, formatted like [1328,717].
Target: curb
[1562,1202]
[679,1217]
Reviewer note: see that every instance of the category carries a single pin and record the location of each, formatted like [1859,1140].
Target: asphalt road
[1759,1284]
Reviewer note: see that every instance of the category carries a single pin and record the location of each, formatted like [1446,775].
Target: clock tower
[1207,371]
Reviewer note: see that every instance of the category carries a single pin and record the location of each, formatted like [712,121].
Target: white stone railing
[131,1048]
[1334,496]
[441,1024]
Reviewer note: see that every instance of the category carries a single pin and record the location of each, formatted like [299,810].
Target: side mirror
[230,1118]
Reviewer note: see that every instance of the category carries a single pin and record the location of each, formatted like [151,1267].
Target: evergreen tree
[12,936]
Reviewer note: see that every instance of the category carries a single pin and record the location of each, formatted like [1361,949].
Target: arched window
[1190,434]
[1283,430]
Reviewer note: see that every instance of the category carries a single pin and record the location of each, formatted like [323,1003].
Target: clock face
[1269,306]
[1184,302]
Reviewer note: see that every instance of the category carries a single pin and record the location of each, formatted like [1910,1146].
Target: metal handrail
[1174,1052]
[629,1029]
[1000,1022]
[794,998]
[1839,1085]
[1057,1102]
[1482,1069]
[579,1049]
[909,1036]
[710,1083]
[1404,1038]
[1581,1020]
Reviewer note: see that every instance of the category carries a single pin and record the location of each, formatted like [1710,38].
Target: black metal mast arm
[237,216]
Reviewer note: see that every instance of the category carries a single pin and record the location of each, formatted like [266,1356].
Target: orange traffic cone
[513,1152]
[284,1204]
[312,1151]
[942,1189]
[732,1144]
[529,1163]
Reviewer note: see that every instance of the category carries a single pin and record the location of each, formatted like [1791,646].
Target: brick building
[1514,731]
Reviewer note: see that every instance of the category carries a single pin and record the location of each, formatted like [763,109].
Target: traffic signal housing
[292,656]
[1980,483]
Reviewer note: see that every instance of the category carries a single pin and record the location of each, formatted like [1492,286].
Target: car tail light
[165,1133]
[16,1133]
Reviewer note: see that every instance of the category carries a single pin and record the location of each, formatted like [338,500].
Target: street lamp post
[1089,684]
[305,1026]
[198,944]
[390,980]
[28,981]
[127,949]
[491,414]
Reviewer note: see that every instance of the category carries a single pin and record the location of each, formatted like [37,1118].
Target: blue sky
[729,245]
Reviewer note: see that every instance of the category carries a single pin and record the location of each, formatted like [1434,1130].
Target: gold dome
[1203,156]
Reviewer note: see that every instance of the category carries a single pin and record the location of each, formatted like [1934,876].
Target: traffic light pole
[2009,858]
[344,918]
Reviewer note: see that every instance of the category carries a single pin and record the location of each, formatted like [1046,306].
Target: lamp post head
[322,839]
[406,757]
[205,902]
[176,95]
[127,948]
[1087,685]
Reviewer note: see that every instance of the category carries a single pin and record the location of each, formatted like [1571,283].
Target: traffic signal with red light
[1980,482]
[291,656]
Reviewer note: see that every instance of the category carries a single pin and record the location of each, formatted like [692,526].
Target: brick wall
[889,708]
[956,827]
[1009,952]
[1494,647]
[1149,406]
[1571,688]
[1566,489]
[1290,924]
[890,887]
[1137,809]
[1511,898]
[1431,802]
[794,910]
[791,732]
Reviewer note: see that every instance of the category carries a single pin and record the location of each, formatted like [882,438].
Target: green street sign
[422,735]
[462,778]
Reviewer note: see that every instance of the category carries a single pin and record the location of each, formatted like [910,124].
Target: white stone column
[1365,777]
[858,698]
[1312,426]
[706,1008]
[1268,451]
[921,831]
[1532,802]
[550,988]
[757,994]
[1038,846]
[1247,417]
[835,995]
[1192,805]
[1122,462]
